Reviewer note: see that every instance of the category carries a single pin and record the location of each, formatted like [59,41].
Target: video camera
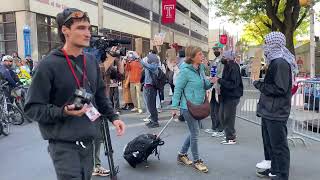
[105,44]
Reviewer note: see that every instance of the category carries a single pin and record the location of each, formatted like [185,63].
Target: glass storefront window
[48,37]
[8,34]
[94,30]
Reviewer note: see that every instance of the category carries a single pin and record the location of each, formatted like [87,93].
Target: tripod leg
[108,151]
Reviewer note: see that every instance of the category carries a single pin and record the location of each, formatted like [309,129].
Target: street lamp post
[100,15]
[312,41]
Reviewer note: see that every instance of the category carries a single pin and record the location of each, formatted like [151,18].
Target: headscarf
[275,47]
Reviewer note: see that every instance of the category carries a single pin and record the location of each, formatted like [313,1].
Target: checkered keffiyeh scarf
[275,47]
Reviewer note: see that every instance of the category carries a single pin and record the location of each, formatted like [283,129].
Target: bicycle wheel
[20,105]
[1,128]
[5,126]
[15,116]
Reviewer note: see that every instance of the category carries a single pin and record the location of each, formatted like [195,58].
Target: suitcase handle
[158,136]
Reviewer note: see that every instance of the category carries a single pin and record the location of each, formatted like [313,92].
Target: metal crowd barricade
[305,110]
[247,107]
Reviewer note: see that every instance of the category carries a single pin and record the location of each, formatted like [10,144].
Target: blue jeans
[151,95]
[192,138]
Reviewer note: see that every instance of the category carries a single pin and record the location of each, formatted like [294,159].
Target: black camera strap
[85,79]
[83,72]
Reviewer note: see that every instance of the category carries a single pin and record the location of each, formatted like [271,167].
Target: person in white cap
[6,73]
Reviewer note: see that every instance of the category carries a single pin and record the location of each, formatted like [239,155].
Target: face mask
[224,61]
[217,53]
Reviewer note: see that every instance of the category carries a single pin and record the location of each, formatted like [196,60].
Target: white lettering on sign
[168,8]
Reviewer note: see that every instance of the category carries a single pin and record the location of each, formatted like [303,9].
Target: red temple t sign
[168,11]
[223,39]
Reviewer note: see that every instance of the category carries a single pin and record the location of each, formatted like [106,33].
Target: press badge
[92,113]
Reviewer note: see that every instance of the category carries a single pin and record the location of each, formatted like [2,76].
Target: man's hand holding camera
[70,110]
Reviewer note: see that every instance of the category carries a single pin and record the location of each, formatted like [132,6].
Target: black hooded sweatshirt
[231,81]
[53,87]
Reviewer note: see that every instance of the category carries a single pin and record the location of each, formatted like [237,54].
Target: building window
[8,33]
[94,30]
[48,37]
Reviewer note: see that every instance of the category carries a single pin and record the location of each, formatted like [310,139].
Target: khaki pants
[135,91]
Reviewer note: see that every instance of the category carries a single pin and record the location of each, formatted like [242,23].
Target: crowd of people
[189,81]
[72,133]
[16,70]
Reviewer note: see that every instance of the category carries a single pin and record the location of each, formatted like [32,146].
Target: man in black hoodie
[70,131]
[231,88]
[275,104]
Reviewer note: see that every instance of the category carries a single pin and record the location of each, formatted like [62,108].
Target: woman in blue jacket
[191,84]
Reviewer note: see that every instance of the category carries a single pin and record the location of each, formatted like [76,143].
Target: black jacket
[53,86]
[275,98]
[231,81]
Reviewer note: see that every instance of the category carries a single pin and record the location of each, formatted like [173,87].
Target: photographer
[69,126]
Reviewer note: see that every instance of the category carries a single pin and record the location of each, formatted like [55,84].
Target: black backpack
[140,148]
[159,80]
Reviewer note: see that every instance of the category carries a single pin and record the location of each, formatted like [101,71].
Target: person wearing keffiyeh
[274,106]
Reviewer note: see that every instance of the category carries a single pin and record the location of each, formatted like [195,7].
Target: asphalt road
[23,154]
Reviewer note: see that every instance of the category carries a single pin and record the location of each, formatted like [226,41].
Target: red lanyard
[72,70]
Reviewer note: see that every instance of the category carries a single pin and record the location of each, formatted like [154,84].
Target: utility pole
[100,16]
[312,41]
[160,5]
[151,24]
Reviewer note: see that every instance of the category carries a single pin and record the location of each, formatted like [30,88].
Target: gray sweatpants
[71,161]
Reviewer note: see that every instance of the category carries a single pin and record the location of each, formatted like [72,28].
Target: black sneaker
[152,125]
[181,118]
[265,174]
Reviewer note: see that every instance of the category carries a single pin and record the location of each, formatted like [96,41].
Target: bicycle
[19,94]
[5,125]
[9,112]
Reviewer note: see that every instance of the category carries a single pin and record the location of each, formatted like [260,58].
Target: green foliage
[255,31]
[263,16]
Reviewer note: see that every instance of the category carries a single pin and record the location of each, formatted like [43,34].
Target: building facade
[125,19]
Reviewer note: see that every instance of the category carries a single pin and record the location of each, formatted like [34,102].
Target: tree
[282,15]
[255,31]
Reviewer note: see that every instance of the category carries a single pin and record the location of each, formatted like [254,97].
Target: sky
[238,28]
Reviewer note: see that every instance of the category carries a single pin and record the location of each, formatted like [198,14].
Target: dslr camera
[81,97]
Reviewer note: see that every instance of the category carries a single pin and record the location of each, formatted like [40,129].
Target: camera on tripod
[81,97]
[105,44]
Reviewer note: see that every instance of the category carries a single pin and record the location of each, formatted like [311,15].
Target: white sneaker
[140,111]
[272,175]
[218,134]
[229,142]
[146,119]
[264,164]
[209,131]
[134,109]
